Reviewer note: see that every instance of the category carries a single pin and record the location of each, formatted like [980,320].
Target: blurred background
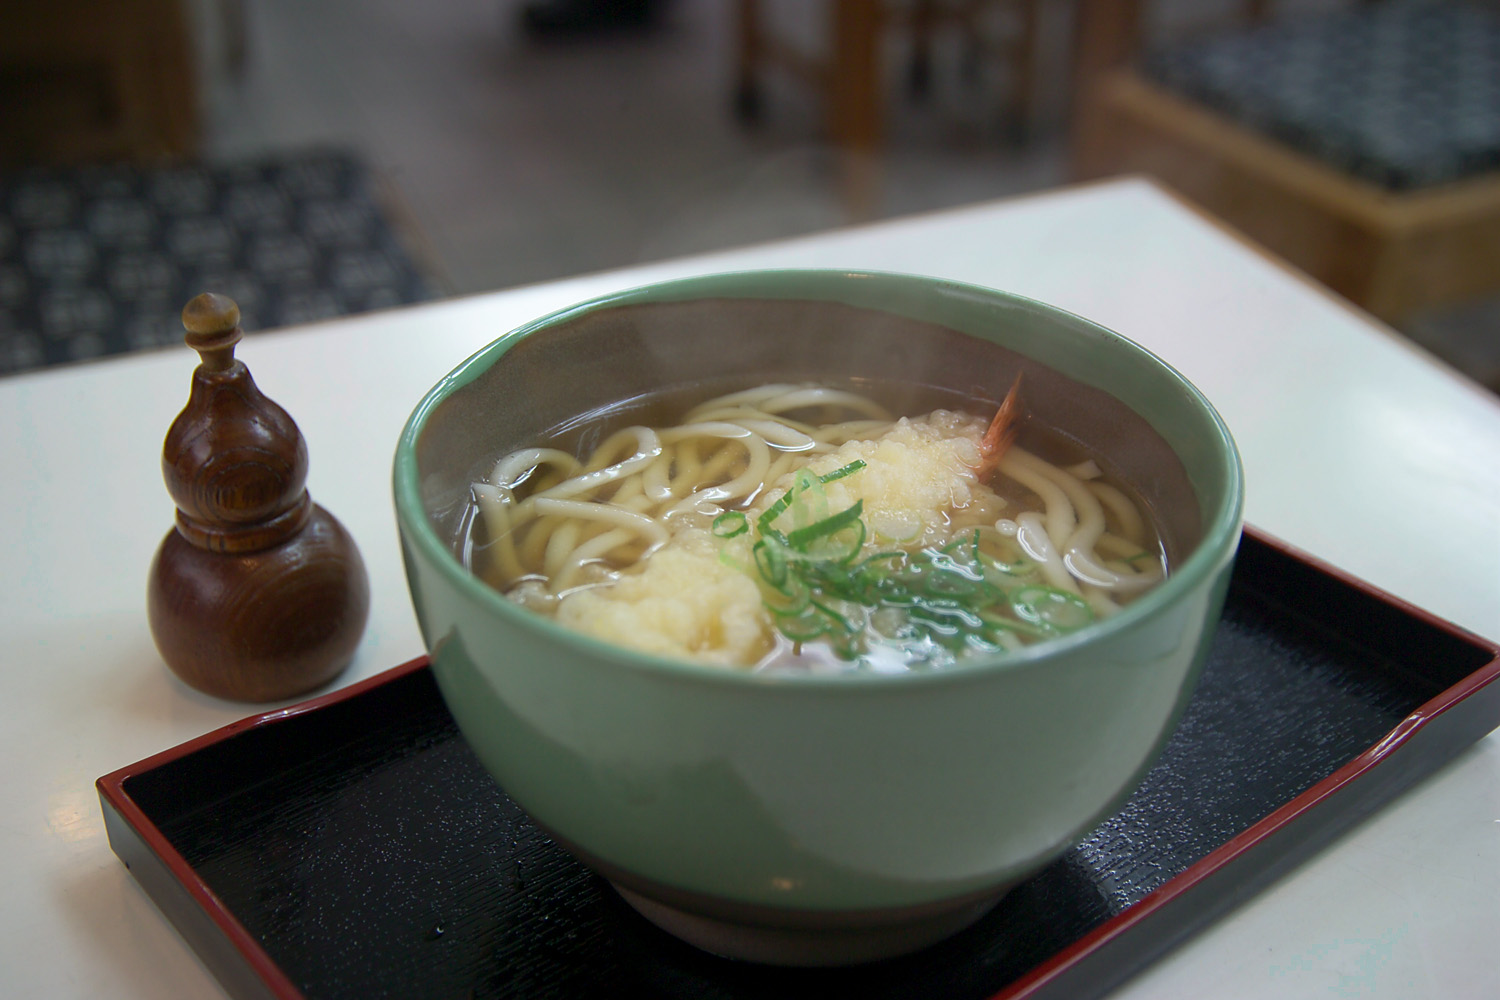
[316,158]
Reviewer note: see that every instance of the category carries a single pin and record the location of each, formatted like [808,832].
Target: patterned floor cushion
[101,260]
[1405,93]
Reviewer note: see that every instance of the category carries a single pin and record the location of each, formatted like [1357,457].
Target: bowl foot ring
[809,946]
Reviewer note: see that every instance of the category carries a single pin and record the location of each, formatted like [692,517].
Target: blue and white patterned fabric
[101,260]
[1405,94]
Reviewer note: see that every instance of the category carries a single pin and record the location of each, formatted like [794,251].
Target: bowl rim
[1220,532]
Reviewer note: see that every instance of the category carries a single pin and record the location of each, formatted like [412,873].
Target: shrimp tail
[1001,433]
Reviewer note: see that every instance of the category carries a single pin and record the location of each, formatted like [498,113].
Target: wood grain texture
[234,463]
[257,593]
[1392,253]
[264,625]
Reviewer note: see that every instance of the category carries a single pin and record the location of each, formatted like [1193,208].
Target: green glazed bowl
[817,819]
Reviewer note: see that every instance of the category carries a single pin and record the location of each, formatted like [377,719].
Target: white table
[1357,448]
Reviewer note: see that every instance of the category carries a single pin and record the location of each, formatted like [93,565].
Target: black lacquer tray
[353,846]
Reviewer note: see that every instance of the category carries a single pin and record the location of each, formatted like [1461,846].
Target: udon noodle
[804,527]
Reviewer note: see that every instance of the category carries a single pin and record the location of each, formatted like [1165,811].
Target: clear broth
[581,435]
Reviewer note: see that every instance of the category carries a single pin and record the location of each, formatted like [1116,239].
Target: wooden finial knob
[234,462]
[257,593]
[213,328]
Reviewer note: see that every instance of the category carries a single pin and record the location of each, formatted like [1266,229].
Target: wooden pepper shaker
[257,594]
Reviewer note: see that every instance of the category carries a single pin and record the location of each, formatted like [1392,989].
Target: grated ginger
[684,603]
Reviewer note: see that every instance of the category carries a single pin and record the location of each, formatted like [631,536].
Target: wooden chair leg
[1023,82]
[855,123]
[854,119]
[919,73]
[1106,35]
[748,103]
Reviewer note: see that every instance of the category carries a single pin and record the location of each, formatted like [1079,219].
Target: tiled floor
[520,162]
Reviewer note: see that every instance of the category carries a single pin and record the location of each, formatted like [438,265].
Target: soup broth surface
[812,528]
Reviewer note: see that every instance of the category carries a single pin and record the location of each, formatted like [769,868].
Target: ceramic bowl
[817,819]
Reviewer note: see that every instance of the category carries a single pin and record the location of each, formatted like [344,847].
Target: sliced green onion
[808,625]
[774,511]
[803,537]
[847,470]
[731,524]
[997,623]
[982,642]
[835,617]
[725,559]
[1009,572]
[770,560]
[952,616]
[796,599]
[853,539]
[934,603]
[1051,607]
[971,540]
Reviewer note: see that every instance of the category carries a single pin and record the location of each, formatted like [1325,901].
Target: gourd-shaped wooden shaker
[257,593]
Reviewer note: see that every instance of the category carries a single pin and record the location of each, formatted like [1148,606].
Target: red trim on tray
[275,715]
[1356,583]
[112,788]
[1270,824]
